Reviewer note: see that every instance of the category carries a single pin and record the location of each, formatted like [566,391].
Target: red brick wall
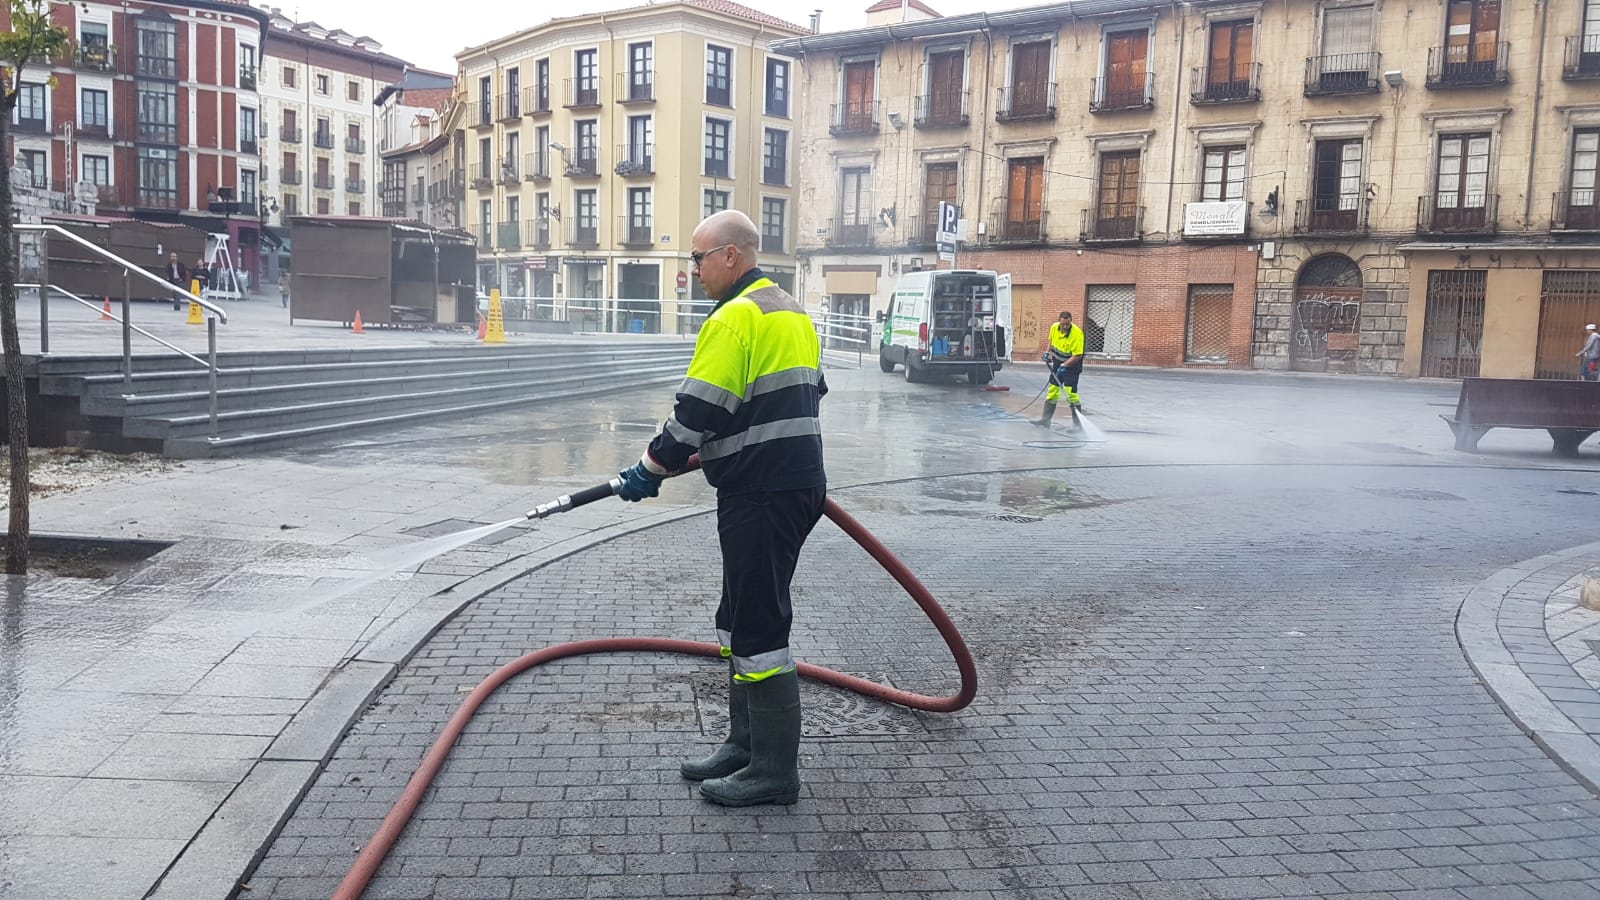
[1161,276]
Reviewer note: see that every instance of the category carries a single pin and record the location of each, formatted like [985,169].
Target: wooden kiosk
[394,271]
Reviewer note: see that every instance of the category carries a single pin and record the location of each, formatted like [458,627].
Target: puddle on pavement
[1009,498]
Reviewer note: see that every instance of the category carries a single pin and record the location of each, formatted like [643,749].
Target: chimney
[816,21]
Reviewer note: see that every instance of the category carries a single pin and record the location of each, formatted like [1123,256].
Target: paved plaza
[1271,638]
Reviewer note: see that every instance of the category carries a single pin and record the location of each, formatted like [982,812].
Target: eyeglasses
[699,256]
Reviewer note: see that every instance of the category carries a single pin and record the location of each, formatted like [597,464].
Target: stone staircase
[272,399]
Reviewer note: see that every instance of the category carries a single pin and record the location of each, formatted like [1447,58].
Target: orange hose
[377,849]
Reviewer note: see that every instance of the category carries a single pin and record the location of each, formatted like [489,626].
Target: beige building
[418,131]
[594,145]
[1345,185]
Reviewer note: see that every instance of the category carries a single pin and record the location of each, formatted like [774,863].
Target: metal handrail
[129,269]
[92,308]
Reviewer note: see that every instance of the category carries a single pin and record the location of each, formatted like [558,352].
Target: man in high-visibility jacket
[749,406]
[1065,361]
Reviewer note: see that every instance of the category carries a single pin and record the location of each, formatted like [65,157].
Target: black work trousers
[761,535]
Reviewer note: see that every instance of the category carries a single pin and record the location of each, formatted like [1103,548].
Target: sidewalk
[159,728]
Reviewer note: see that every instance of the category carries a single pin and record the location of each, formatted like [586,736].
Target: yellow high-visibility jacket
[1065,344]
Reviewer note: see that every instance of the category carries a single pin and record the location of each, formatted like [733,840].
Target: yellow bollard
[496,333]
[194,308]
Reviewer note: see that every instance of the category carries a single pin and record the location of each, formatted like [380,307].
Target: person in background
[201,272]
[178,275]
[1065,361]
[283,287]
[1589,356]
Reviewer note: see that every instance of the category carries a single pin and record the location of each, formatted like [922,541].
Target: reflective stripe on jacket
[750,401]
[1065,344]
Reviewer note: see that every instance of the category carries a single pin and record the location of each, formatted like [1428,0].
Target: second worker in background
[1064,359]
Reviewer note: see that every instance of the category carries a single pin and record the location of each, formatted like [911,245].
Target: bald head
[725,247]
[730,227]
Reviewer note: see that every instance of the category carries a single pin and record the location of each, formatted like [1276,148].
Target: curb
[1496,604]
[222,856]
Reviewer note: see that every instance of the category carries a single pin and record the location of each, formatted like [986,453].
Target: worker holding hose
[1065,361]
[749,406]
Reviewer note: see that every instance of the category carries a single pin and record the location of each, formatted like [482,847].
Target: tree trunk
[16,388]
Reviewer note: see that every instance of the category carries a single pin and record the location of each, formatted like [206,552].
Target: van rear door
[1002,306]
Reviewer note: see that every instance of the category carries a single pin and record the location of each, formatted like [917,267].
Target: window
[1209,323]
[485,157]
[247,188]
[324,136]
[290,173]
[289,132]
[717,131]
[97,169]
[1222,174]
[541,151]
[485,101]
[352,179]
[485,213]
[1581,211]
[855,206]
[1126,83]
[354,209]
[247,66]
[1117,206]
[541,85]
[639,226]
[513,93]
[775,157]
[32,103]
[1336,186]
[778,88]
[1024,199]
[323,178]
[1230,66]
[511,226]
[1031,93]
[158,177]
[772,220]
[939,186]
[1472,40]
[641,142]
[641,71]
[324,206]
[945,103]
[352,91]
[587,65]
[94,45]
[719,75]
[588,217]
[715,202]
[1588,61]
[288,78]
[248,134]
[352,139]
[322,85]
[1461,192]
[1108,320]
[508,163]
[94,111]
[37,162]
[588,143]
[858,113]
[158,112]
[290,205]
[158,48]
[1347,61]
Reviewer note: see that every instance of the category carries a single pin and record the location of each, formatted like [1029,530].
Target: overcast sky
[431,40]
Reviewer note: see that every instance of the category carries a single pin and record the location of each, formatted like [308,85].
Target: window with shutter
[1348,59]
[1231,62]
[939,186]
[1024,199]
[1117,207]
[1031,90]
[1127,59]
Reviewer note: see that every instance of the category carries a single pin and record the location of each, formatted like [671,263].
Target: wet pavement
[1219,657]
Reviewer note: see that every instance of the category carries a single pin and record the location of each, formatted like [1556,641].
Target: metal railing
[843,331]
[1004,229]
[1111,223]
[854,117]
[1331,215]
[1120,90]
[636,87]
[1451,213]
[1342,73]
[636,158]
[1575,211]
[581,92]
[943,109]
[1030,100]
[1582,57]
[1468,65]
[1225,84]
[129,271]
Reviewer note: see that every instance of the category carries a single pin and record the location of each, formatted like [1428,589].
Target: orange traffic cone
[483,328]
[358,329]
[105,311]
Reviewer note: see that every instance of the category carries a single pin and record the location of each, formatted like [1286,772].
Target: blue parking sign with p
[949,214]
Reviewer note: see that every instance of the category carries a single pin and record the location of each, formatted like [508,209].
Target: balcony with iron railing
[854,117]
[322,181]
[1236,83]
[637,232]
[536,234]
[536,100]
[1021,102]
[289,134]
[1331,216]
[508,236]
[581,93]
[921,232]
[585,163]
[508,106]
[1342,73]
[249,143]
[157,198]
[322,140]
[165,67]
[481,176]
[355,186]
[290,176]
[638,86]
[944,109]
[95,58]
[94,130]
[849,234]
[480,113]
[247,78]
[583,235]
[1582,57]
[509,173]
[536,166]
[1115,224]
[355,145]
[1122,91]
[1481,64]
[418,192]
[1447,215]
[1023,229]
[636,160]
[1575,211]
[484,232]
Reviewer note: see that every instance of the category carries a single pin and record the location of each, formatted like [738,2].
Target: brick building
[153,112]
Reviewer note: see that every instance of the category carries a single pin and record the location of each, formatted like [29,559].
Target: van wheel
[884,362]
[914,373]
[980,375]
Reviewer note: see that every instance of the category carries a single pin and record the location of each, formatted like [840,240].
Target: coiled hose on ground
[377,849]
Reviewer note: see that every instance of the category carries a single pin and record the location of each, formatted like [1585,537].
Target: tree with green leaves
[32,38]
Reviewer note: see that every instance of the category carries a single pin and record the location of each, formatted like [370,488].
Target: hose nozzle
[567,502]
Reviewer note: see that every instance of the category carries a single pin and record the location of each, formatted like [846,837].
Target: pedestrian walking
[283,288]
[178,275]
[749,406]
[1065,361]
[1589,356]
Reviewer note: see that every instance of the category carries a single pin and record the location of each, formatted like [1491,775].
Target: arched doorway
[1327,316]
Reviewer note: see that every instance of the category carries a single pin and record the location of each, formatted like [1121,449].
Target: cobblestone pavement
[1195,682]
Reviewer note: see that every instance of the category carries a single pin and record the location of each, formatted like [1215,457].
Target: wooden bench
[1569,410]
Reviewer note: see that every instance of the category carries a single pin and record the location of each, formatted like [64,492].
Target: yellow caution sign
[496,334]
[194,308]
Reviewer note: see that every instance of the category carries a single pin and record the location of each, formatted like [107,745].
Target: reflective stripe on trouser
[1064,378]
[761,535]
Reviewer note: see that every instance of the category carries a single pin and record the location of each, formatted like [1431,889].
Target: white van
[956,321]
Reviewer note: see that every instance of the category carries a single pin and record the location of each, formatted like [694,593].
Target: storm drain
[1016,518]
[451,526]
[828,712]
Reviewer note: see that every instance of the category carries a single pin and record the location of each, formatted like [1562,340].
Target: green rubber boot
[1049,413]
[773,775]
[734,752]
